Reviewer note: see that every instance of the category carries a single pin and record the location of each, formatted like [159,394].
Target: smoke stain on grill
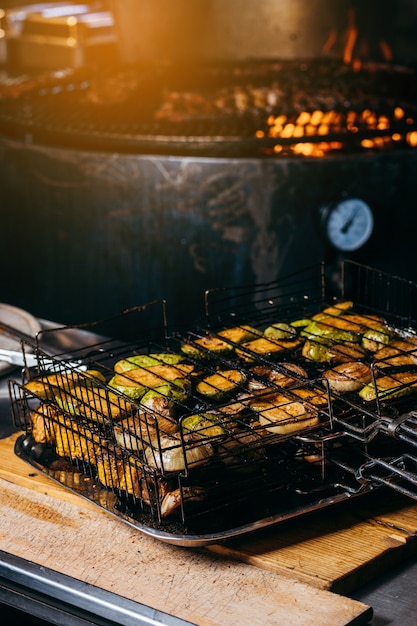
[235,204]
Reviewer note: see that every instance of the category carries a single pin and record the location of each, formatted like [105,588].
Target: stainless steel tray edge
[178,539]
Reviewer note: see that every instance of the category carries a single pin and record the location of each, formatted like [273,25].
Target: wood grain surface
[48,525]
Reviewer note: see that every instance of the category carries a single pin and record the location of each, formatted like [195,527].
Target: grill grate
[267,109]
[198,436]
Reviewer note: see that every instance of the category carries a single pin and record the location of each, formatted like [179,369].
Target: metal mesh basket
[235,424]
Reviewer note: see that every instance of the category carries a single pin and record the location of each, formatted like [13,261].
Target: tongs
[29,360]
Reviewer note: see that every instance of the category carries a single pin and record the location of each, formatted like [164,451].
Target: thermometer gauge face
[349,224]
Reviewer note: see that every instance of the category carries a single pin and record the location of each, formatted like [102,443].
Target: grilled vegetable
[348,377]
[172,456]
[314,397]
[345,352]
[221,343]
[373,340]
[393,386]
[97,404]
[136,382]
[285,418]
[176,391]
[288,374]
[342,328]
[147,360]
[330,330]
[174,501]
[301,323]
[137,431]
[265,347]
[280,330]
[217,386]
[129,433]
[314,351]
[47,386]
[334,310]
[157,403]
[397,353]
[204,425]
[126,475]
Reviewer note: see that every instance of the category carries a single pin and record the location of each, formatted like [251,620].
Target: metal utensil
[20,359]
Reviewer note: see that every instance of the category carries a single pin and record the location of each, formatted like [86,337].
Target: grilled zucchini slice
[265,347]
[147,360]
[390,387]
[221,343]
[46,387]
[204,425]
[136,382]
[280,330]
[219,385]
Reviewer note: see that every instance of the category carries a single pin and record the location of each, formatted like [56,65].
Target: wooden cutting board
[336,549]
[48,525]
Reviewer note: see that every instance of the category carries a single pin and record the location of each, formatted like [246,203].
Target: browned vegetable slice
[174,501]
[393,386]
[336,309]
[221,343]
[97,404]
[315,351]
[150,377]
[266,347]
[281,414]
[288,418]
[45,387]
[147,360]
[345,352]
[397,353]
[174,453]
[204,424]
[312,396]
[348,377]
[218,385]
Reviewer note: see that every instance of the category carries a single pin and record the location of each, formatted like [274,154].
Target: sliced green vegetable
[132,391]
[301,322]
[204,424]
[394,386]
[325,331]
[280,330]
[147,360]
[315,351]
[373,340]
[218,385]
[178,390]
[266,347]
[221,343]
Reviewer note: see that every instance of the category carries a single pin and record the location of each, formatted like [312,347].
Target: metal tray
[82,485]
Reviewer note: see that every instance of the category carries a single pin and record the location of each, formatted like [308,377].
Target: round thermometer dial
[349,224]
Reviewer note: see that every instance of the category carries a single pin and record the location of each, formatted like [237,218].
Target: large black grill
[280,108]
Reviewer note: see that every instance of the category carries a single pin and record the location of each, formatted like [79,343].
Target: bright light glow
[412,138]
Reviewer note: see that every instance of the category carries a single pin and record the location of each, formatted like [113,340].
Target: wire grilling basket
[288,397]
